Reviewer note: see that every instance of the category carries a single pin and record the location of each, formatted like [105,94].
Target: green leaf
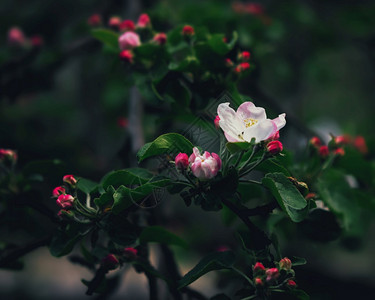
[239,146]
[106,198]
[271,166]
[211,262]
[299,294]
[216,42]
[158,234]
[63,242]
[87,186]
[287,195]
[298,261]
[108,37]
[126,177]
[171,143]
[124,197]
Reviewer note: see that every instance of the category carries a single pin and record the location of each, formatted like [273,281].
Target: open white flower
[248,122]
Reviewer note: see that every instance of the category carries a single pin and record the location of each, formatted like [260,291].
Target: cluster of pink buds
[16,38]
[241,65]
[264,277]
[64,199]
[204,166]
[112,261]
[8,155]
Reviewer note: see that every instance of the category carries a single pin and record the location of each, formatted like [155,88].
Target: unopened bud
[285,264]
[244,56]
[315,141]
[144,21]
[122,122]
[127,25]
[94,20]
[291,283]
[57,191]
[160,38]
[216,122]
[323,151]
[16,37]
[258,281]
[182,161]
[188,30]
[65,214]
[229,63]
[360,144]
[126,56]
[258,267]
[69,179]
[65,201]
[9,155]
[342,139]
[242,67]
[274,147]
[130,252]
[272,274]
[339,152]
[110,262]
[36,41]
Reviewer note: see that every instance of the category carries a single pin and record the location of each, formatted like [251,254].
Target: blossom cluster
[64,199]
[17,38]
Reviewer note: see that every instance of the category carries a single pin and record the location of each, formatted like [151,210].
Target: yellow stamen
[250,122]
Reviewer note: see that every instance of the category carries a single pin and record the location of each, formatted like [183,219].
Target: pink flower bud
[143,21]
[182,161]
[160,38]
[275,136]
[254,9]
[129,40]
[339,152]
[242,67]
[291,283]
[69,179]
[258,281]
[122,122]
[65,214]
[126,56]
[114,22]
[360,144]
[315,141]
[36,41]
[323,151]
[259,267]
[285,264]
[343,139]
[188,30]
[216,122]
[127,25]
[65,201]
[274,147]
[244,56]
[16,37]
[272,274]
[7,154]
[229,63]
[110,262]
[204,166]
[130,252]
[94,20]
[57,191]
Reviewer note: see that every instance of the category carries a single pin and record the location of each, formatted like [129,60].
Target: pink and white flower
[65,201]
[129,40]
[204,166]
[248,122]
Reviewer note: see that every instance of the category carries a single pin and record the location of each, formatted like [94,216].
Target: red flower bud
[182,161]
[122,122]
[339,152]
[244,56]
[114,22]
[258,281]
[258,267]
[315,141]
[160,38]
[310,196]
[242,67]
[126,56]
[65,201]
[69,179]
[291,283]
[188,30]
[16,37]
[36,41]
[94,20]
[110,262]
[323,151]
[7,154]
[274,147]
[130,252]
[360,144]
[127,25]
[65,214]
[57,191]
[254,9]
[216,122]
[285,264]
[272,274]
[143,21]
[342,139]
[228,62]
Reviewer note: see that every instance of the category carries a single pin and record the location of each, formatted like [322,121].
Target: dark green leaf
[171,143]
[287,195]
[128,177]
[213,261]
[298,261]
[108,37]
[239,146]
[158,234]
[63,242]
[106,199]
[271,166]
[87,186]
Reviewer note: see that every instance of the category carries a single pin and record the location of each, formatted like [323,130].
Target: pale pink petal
[231,139]
[206,154]
[218,160]
[231,124]
[249,110]
[280,121]
[260,131]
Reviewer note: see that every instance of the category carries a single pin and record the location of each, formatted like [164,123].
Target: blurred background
[68,100]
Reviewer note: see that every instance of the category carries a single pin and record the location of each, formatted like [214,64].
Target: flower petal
[280,121]
[249,110]
[260,131]
[229,122]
